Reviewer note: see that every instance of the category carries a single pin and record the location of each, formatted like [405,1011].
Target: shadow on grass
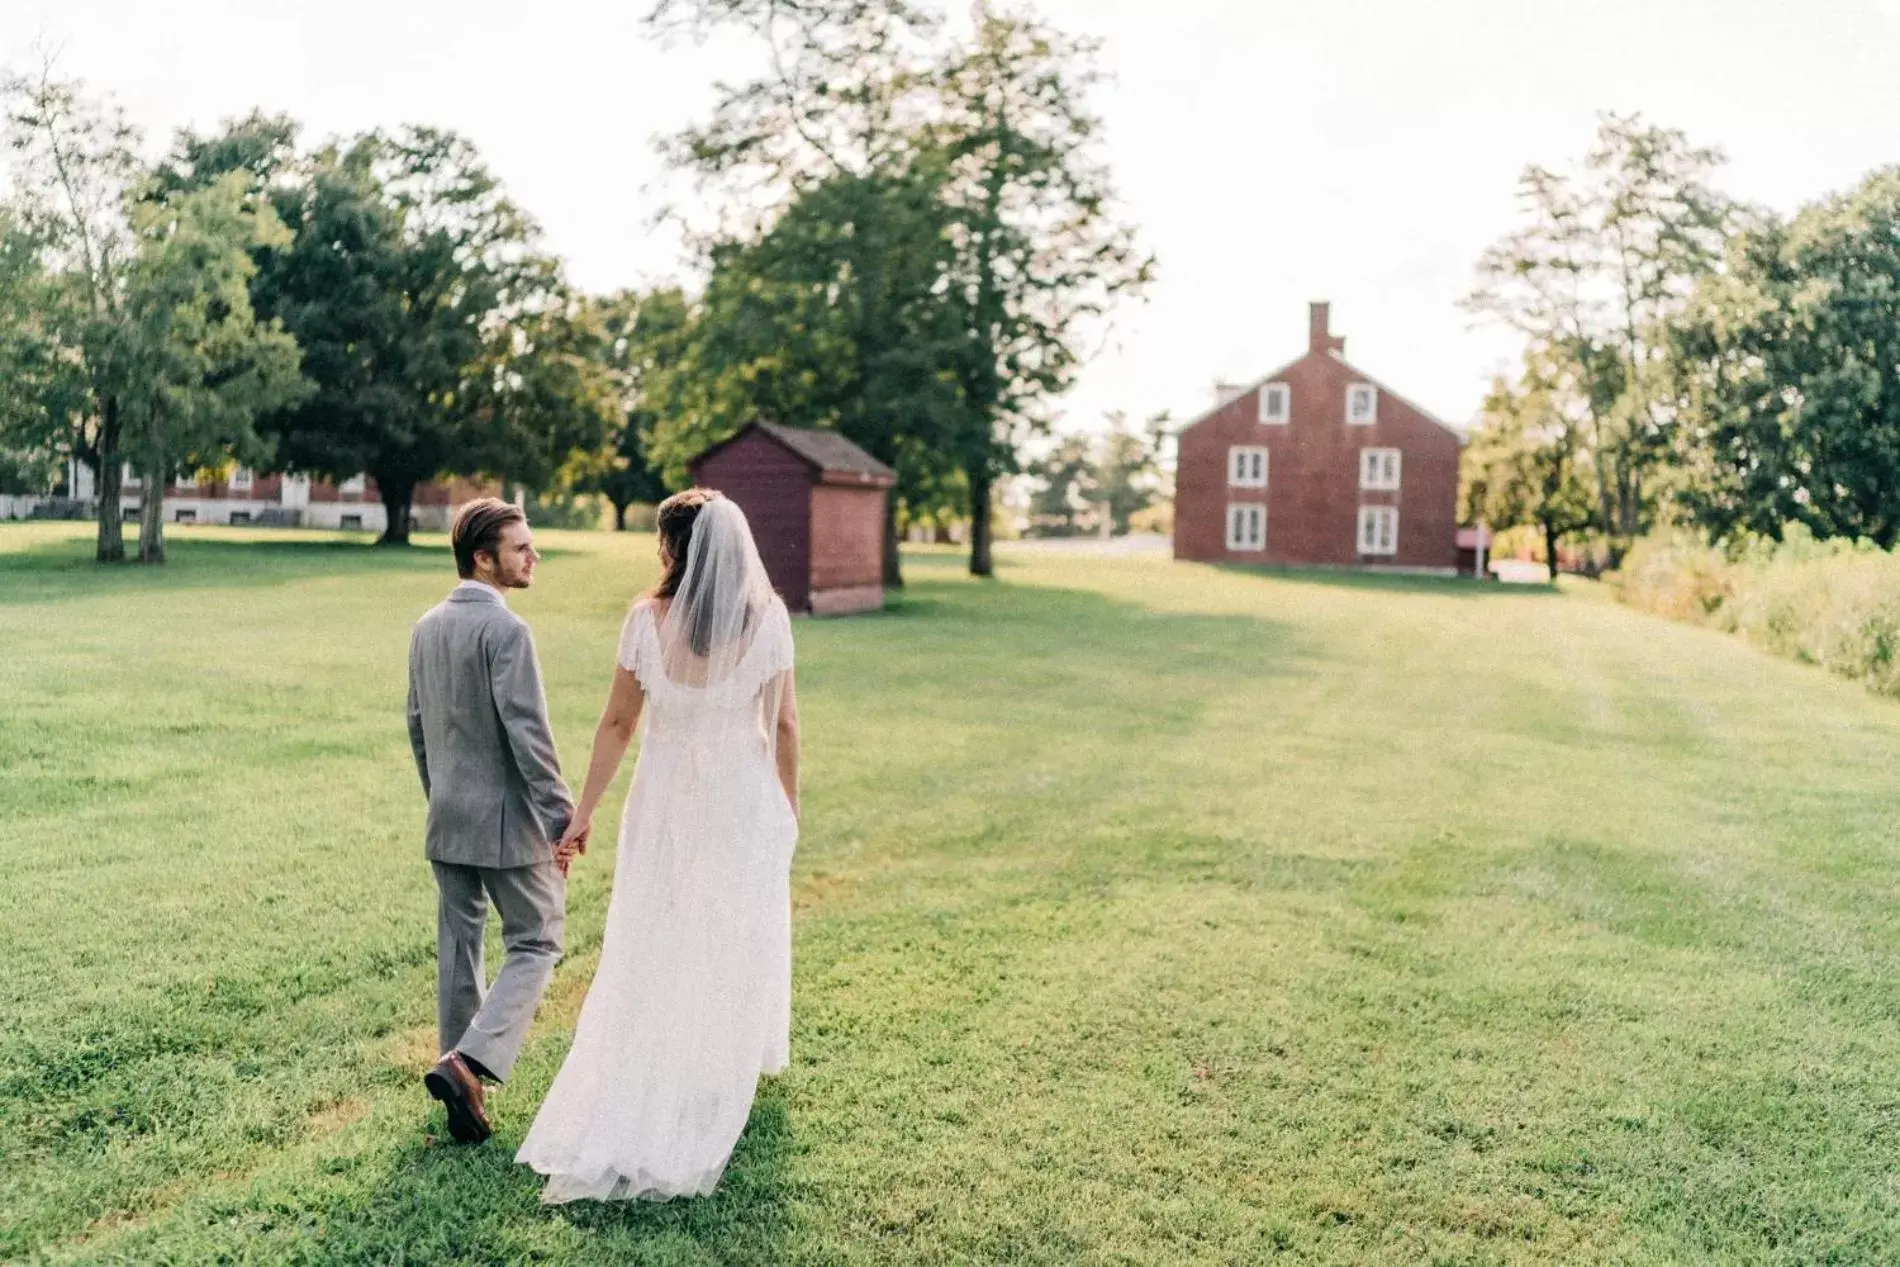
[746,1216]
[441,1203]
[937,563]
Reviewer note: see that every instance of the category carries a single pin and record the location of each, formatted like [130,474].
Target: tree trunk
[1550,547]
[893,564]
[980,562]
[620,516]
[152,516]
[397,497]
[157,475]
[111,543]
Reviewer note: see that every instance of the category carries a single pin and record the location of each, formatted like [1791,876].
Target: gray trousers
[488,1025]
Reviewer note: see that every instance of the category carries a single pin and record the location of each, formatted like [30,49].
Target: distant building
[285,501]
[816,504]
[1318,464]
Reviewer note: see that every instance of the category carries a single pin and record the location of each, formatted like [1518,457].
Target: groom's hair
[478,527]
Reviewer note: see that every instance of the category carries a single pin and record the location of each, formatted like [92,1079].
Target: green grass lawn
[1147,913]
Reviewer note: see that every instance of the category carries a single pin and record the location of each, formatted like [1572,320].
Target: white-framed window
[240,516]
[1276,403]
[349,521]
[186,479]
[241,480]
[1379,469]
[127,476]
[1246,526]
[1362,404]
[1247,466]
[1378,530]
[185,515]
[353,486]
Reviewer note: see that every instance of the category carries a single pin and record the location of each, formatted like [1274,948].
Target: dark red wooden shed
[816,504]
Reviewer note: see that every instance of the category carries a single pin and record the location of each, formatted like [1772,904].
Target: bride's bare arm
[788,741]
[618,721]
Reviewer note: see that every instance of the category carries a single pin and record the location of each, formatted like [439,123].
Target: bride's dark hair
[676,517]
[675,522]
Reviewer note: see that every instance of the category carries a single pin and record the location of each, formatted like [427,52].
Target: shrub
[1834,603]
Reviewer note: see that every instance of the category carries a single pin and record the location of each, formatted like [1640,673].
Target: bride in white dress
[692,999]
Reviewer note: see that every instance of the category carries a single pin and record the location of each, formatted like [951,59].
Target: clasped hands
[573,841]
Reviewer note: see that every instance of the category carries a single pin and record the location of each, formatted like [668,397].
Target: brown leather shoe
[455,1084]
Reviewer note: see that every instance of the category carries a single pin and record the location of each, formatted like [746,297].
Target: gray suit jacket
[478,721]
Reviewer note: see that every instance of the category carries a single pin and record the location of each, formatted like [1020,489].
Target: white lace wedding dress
[692,999]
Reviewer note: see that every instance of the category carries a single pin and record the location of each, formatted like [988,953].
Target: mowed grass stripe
[1146,913]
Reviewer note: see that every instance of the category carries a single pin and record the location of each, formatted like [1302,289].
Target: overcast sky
[1273,151]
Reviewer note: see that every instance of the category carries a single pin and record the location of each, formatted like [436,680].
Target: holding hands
[573,841]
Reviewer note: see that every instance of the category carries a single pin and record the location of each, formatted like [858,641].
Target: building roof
[827,452]
[1237,390]
[1361,375]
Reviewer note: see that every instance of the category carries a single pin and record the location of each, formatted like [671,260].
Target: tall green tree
[1607,259]
[645,336]
[75,166]
[1066,482]
[824,305]
[865,99]
[195,368]
[834,317]
[407,265]
[439,337]
[1109,476]
[1041,260]
[260,147]
[1129,477]
[1790,364]
[1528,460]
[845,84]
[45,393]
[553,397]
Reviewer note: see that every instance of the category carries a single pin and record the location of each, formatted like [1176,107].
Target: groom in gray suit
[478,721]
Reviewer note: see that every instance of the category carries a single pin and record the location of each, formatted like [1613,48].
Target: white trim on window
[1362,404]
[241,480]
[355,486]
[1247,466]
[1379,469]
[1276,403]
[185,479]
[1246,526]
[1378,530]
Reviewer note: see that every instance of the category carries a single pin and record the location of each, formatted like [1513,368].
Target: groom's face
[515,557]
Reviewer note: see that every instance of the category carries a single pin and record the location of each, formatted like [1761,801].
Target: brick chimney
[1318,330]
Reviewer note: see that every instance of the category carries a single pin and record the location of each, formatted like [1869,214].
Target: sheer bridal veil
[725,633]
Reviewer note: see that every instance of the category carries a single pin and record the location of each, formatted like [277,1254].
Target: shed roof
[827,452]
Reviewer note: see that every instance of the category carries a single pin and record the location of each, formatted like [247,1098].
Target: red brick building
[816,505]
[242,497]
[1318,464]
